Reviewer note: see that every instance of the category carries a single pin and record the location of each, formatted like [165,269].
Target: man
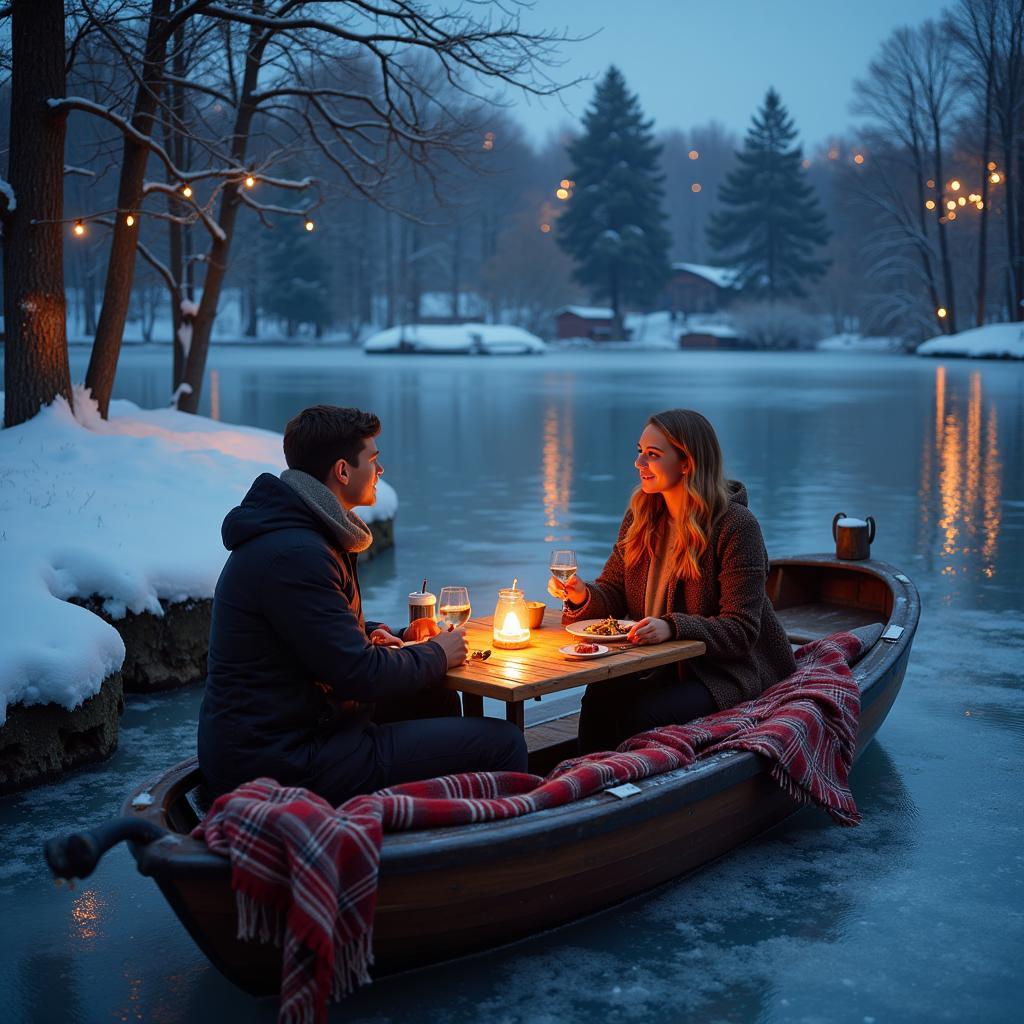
[294,671]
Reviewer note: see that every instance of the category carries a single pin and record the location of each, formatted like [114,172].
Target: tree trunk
[949,321]
[1012,293]
[217,261]
[36,346]
[986,148]
[121,265]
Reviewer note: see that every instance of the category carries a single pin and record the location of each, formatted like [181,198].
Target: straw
[424,590]
[515,580]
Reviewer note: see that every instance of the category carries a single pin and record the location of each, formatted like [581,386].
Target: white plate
[579,629]
[569,652]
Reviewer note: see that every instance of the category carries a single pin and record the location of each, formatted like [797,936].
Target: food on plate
[607,627]
[584,648]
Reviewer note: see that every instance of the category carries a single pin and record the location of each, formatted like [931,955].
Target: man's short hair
[317,437]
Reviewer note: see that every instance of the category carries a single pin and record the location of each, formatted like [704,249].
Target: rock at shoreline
[41,742]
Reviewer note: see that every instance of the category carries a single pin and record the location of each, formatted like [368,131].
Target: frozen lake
[917,915]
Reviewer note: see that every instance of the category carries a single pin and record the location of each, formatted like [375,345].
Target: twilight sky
[691,62]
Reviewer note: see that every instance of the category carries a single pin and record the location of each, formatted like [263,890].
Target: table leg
[472,705]
[514,712]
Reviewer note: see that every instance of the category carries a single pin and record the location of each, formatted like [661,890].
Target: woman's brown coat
[726,608]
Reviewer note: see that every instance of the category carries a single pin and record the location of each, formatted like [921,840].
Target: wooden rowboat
[446,892]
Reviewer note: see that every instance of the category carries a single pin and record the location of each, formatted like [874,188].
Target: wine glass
[563,568]
[453,606]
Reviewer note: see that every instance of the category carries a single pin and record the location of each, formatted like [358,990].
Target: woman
[689,564]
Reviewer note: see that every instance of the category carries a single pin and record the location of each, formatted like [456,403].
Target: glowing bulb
[961,201]
[545,228]
[992,165]
[565,183]
[941,312]
[309,224]
[952,216]
[130,221]
[980,204]
[562,193]
[951,204]
[930,204]
[187,191]
[955,185]
[695,187]
[250,181]
[693,154]
[79,228]
[930,183]
[994,178]
[859,158]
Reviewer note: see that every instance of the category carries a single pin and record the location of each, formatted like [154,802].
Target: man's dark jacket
[290,662]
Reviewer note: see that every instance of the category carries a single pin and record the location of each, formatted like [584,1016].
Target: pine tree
[771,222]
[298,291]
[614,224]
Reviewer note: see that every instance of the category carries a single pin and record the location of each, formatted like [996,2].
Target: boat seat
[806,622]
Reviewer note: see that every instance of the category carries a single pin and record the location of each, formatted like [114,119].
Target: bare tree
[31,206]
[289,77]
[909,93]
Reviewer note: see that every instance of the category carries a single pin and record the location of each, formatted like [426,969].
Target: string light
[562,193]
[250,181]
[309,224]
[858,158]
[78,229]
[187,191]
[930,183]
[961,201]
[695,187]
[995,178]
[693,154]
[955,185]
[929,204]
[941,312]
[545,228]
[129,220]
[992,165]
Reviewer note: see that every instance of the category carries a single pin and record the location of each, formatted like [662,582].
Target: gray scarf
[348,530]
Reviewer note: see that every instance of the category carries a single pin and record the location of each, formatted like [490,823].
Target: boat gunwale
[180,856]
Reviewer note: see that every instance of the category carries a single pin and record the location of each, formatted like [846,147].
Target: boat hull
[447,892]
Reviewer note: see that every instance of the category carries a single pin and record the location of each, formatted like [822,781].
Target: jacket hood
[270,505]
[737,492]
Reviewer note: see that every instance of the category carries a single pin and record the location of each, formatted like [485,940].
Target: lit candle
[510,617]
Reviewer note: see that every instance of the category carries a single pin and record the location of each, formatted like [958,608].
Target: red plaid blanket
[305,874]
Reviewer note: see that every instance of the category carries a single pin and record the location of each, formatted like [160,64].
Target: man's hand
[573,589]
[454,644]
[650,631]
[383,637]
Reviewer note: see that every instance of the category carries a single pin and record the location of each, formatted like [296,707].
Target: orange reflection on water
[215,394]
[556,466]
[969,477]
[85,915]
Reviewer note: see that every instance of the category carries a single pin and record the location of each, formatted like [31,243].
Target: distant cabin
[593,322]
[696,288]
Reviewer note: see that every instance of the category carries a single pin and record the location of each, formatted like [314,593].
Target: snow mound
[993,341]
[127,508]
[456,339]
[852,342]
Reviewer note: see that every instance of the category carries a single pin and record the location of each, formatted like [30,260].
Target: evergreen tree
[298,291]
[614,224]
[771,222]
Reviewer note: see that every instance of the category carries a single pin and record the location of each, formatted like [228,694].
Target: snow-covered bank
[993,341]
[456,339]
[127,508]
[851,342]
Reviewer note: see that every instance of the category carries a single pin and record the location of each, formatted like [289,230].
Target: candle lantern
[511,620]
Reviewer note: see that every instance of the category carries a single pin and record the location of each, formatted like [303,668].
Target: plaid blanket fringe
[305,874]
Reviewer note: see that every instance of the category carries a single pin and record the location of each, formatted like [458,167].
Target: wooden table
[539,669]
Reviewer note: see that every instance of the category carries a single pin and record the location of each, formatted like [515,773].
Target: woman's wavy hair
[705,489]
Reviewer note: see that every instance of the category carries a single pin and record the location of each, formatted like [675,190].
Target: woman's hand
[650,631]
[574,589]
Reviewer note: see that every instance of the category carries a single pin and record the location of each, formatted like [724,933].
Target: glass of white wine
[453,606]
[563,568]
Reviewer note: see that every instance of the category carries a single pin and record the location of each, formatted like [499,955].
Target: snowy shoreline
[127,509]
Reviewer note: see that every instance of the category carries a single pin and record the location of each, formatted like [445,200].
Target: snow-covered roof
[587,312]
[721,277]
[692,327]
[85,501]
[456,339]
[993,341]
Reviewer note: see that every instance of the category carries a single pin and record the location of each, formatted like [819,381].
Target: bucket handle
[835,519]
[871,529]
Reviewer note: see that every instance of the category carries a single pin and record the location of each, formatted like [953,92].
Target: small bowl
[536,610]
